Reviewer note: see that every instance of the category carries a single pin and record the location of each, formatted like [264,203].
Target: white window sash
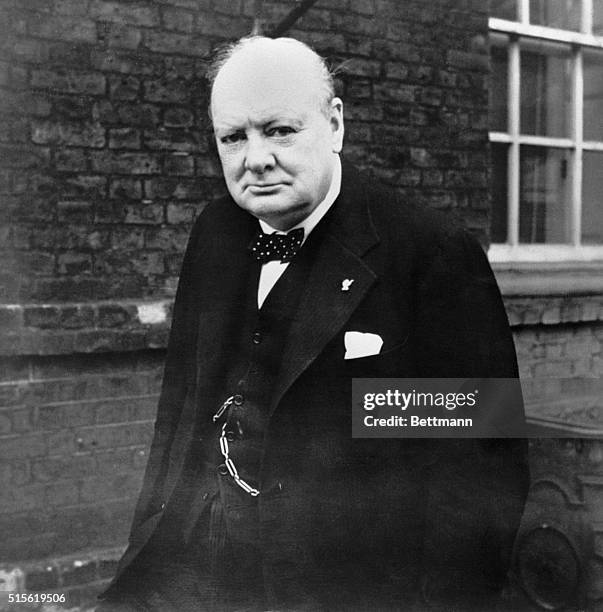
[575,42]
[545,33]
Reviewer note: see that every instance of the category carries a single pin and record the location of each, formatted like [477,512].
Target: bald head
[266,61]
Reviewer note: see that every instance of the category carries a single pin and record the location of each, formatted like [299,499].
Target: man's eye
[232,138]
[280,130]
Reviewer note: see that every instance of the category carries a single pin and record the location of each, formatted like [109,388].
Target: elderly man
[256,496]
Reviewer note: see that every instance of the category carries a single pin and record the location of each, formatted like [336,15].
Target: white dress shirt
[272,270]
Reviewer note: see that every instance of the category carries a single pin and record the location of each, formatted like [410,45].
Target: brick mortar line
[96,452]
[73,428]
[76,506]
[133,472]
[70,377]
[74,402]
[83,505]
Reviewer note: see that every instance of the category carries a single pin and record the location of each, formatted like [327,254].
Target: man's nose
[258,156]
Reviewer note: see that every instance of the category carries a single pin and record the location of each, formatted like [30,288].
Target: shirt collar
[311,221]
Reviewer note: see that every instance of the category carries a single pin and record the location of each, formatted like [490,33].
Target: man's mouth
[264,188]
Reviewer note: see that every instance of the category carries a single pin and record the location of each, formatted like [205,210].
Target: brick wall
[104,142]
[559,341]
[560,351]
[105,160]
[75,433]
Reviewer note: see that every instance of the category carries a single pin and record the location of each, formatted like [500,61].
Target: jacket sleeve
[476,488]
[178,377]
[463,323]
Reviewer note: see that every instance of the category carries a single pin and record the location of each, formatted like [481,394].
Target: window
[546,130]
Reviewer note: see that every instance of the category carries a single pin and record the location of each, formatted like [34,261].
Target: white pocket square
[360,344]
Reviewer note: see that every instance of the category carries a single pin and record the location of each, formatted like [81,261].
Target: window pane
[598,18]
[544,208]
[593,96]
[545,93]
[562,14]
[498,90]
[504,9]
[592,200]
[498,189]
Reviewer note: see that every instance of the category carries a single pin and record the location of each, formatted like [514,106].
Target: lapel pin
[346,283]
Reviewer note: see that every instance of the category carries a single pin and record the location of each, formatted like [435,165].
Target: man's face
[277,146]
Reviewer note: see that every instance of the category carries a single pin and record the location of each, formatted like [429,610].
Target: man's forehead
[274,75]
[247,100]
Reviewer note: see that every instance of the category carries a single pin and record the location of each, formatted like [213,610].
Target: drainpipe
[303,6]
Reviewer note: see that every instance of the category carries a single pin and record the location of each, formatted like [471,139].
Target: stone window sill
[551,293]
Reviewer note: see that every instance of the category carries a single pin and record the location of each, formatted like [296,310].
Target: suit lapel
[225,276]
[324,308]
[326,305]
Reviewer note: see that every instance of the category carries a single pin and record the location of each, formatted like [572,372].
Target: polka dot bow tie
[271,247]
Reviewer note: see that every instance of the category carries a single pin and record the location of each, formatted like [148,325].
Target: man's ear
[336,121]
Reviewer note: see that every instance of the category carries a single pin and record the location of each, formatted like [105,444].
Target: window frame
[577,42]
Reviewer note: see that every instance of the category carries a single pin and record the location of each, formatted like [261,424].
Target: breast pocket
[392,363]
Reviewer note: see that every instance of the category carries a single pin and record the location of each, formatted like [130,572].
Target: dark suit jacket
[379,521]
